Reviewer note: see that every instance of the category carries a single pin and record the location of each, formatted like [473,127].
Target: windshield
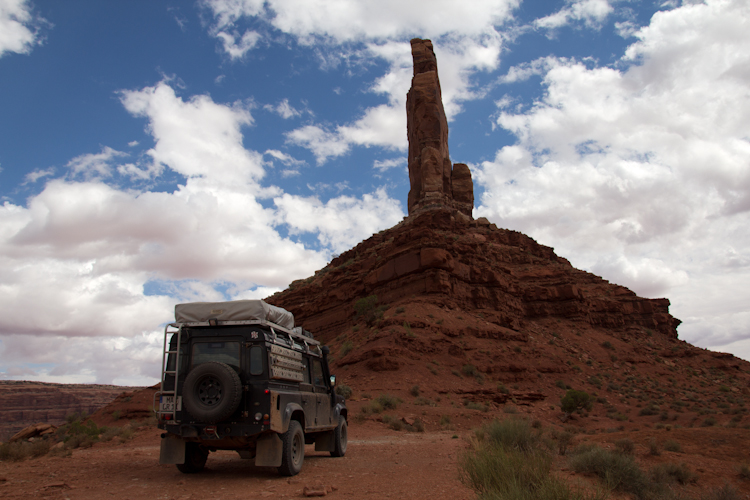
[222,352]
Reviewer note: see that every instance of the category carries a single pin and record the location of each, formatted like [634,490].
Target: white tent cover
[236,310]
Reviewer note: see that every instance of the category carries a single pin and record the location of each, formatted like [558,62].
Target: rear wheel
[293,450]
[339,438]
[195,459]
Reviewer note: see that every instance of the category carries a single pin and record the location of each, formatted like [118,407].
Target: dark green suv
[240,376]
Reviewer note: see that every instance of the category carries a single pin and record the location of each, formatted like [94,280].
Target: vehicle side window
[256,360]
[306,370]
[317,372]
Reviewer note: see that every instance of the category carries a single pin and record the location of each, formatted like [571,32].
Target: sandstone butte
[452,301]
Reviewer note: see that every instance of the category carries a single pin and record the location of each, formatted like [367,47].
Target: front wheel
[293,450]
[339,438]
[195,459]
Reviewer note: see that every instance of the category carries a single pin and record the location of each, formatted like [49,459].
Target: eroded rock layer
[434,180]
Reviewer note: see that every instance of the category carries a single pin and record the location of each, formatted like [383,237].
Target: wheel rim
[210,391]
[297,450]
[343,437]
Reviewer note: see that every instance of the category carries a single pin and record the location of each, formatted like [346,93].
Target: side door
[322,396]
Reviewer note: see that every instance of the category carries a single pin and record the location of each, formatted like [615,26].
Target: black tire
[293,450]
[339,438]
[212,392]
[195,459]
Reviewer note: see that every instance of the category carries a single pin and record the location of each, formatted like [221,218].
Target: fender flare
[286,417]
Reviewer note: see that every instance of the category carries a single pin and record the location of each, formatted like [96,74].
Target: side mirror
[333,380]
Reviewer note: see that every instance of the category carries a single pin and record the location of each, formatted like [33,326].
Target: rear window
[222,352]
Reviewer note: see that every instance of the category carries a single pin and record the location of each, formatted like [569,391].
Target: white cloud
[96,165]
[466,40]
[237,46]
[16,24]
[283,109]
[35,175]
[388,164]
[591,12]
[641,173]
[341,222]
[79,255]
[198,138]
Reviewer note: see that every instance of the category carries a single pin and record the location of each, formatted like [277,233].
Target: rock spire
[434,179]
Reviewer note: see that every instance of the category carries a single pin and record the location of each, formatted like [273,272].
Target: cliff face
[466,266]
[26,403]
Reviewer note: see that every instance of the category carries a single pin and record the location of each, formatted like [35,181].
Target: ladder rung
[170,352]
[170,372]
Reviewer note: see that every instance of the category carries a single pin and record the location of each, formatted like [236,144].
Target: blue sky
[161,152]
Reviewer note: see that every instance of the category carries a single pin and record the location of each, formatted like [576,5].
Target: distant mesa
[434,180]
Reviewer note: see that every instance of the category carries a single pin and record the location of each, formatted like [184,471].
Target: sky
[159,152]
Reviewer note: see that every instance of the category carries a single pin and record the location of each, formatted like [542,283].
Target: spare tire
[212,392]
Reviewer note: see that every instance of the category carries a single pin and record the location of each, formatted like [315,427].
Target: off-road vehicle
[239,376]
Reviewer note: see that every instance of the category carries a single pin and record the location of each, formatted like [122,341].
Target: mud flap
[325,441]
[268,451]
[172,450]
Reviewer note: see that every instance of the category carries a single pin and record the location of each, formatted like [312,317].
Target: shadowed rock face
[434,180]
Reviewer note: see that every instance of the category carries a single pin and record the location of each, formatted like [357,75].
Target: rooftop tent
[236,310]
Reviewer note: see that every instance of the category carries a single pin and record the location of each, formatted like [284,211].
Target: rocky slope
[25,403]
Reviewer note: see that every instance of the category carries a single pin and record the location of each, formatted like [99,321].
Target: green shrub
[414,391]
[470,370]
[617,471]
[744,471]
[471,405]
[726,492]
[709,422]
[116,414]
[505,461]
[422,401]
[501,388]
[388,401]
[574,400]
[344,390]
[346,348]
[673,446]
[649,410]
[670,472]
[20,450]
[563,438]
[445,420]
[625,445]
[653,447]
[366,309]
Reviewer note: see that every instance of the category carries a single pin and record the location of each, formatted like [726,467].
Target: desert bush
[625,446]
[501,388]
[470,370]
[393,422]
[422,401]
[673,446]
[471,405]
[563,438]
[388,401]
[344,390]
[649,410]
[505,461]
[653,447]
[726,492]
[607,344]
[670,472]
[346,348]
[20,450]
[367,309]
[709,422]
[373,407]
[574,400]
[116,414]
[617,471]
[414,391]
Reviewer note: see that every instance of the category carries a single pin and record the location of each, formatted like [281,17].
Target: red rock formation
[464,266]
[25,403]
[430,172]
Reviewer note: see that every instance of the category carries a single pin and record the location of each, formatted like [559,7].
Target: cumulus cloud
[341,222]
[592,13]
[283,109]
[82,253]
[466,40]
[383,165]
[18,27]
[638,173]
[95,165]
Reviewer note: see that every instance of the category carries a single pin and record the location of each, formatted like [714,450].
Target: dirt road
[379,463]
